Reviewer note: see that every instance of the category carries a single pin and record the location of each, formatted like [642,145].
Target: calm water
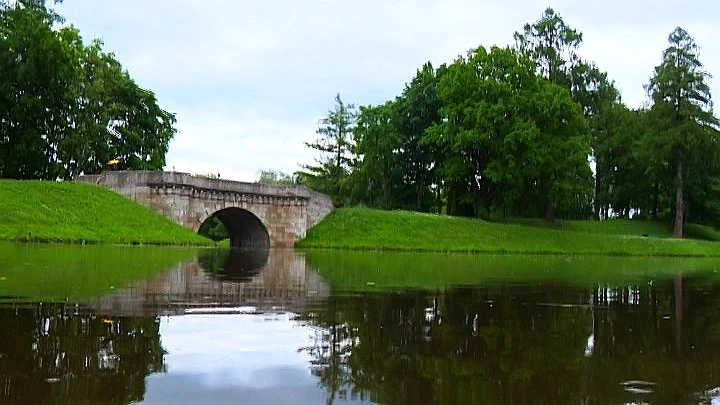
[350,328]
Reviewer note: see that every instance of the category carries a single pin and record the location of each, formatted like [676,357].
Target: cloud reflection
[221,359]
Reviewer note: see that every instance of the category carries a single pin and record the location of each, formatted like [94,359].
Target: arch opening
[244,229]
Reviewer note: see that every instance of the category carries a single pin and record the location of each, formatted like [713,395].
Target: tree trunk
[656,200]
[386,193]
[386,184]
[597,204]
[679,203]
[550,210]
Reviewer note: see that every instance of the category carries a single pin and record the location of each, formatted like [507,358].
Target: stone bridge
[255,215]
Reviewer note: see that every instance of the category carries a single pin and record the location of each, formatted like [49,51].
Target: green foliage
[515,142]
[379,167]
[274,177]
[353,228]
[68,108]
[334,142]
[684,136]
[418,109]
[45,211]
[514,133]
[553,45]
[213,229]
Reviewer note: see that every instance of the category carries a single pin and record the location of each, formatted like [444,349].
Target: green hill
[46,211]
[356,228]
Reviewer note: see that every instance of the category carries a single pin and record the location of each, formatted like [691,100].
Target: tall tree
[335,143]
[514,139]
[682,112]
[553,45]
[67,108]
[378,144]
[418,108]
[599,99]
[37,76]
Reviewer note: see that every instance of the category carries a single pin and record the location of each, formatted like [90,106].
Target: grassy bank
[45,211]
[356,228]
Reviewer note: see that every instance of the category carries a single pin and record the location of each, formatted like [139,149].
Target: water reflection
[53,354]
[282,282]
[233,264]
[391,330]
[230,359]
[550,343]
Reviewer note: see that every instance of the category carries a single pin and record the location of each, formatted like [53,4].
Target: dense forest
[67,107]
[531,130]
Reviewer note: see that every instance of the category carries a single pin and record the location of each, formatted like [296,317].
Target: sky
[249,80]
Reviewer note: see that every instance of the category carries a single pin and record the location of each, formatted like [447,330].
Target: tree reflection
[52,354]
[549,343]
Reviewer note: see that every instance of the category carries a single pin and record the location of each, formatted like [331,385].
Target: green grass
[628,227]
[701,232]
[45,272]
[46,211]
[357,228]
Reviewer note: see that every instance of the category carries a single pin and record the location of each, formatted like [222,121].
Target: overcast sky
[249,79]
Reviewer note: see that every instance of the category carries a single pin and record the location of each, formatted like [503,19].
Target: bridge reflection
[265,280]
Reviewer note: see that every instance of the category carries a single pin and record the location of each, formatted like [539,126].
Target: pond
[119,325]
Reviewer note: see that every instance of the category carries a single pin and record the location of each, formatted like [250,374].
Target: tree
[67,108]
[378,142]
[553,45]
[515,141]
[35,90]
[274,177]
[682,113]
[418,108]
[214,229]
[334,142]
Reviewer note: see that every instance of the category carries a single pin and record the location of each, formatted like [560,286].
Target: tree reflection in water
[656,342]
[52,354]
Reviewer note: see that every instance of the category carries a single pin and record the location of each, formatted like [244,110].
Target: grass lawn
[358,228]
[47,211]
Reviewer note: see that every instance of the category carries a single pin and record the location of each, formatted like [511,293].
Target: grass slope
[357,228]
[46,211]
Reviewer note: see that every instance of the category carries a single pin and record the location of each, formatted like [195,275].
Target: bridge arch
[246,230]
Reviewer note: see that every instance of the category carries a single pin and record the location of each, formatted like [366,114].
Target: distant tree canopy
[274,177]
[67,107]
[531,131]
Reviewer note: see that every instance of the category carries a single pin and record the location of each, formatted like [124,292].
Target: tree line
[531,130]
[66,106]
